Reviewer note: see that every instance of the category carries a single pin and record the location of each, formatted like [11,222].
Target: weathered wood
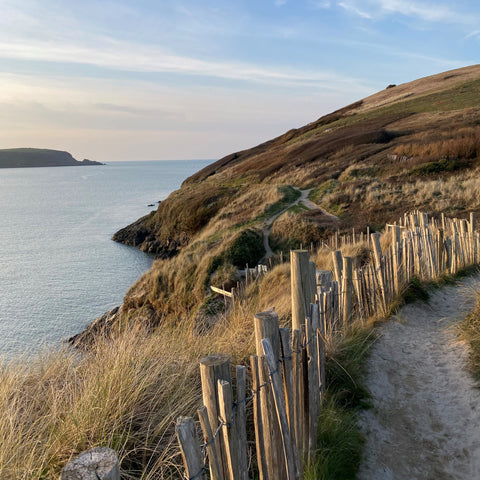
[298,390]
[324,278]
[241,422]
[305,417]
[396,258]
[191,454]
[215,472]
[221,292]
[212,369]
[377,249]
[266,326]
[337,265]
[271,429]
[312,326]
[100,463]
[229,430]
[301,287]
[347,291]
[280,407]
[321,344]
[258,420]
[312,281]
[288,367]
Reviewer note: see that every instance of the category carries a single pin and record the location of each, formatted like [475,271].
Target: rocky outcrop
[100,326]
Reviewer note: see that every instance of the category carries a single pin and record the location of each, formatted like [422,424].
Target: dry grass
[464,143]
[126,393]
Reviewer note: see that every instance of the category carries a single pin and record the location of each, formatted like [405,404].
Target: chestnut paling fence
[288,370]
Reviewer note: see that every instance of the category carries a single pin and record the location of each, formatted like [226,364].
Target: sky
[187,79]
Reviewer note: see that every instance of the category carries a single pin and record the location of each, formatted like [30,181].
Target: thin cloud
[424,11]
[349,7]
[474,34]
[138,58]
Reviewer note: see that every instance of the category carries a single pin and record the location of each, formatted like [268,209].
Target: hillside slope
[37,157]
[415,145]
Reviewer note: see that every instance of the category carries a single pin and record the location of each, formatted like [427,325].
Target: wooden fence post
[377,249]
[192,457]
[312,324]
[301,286]
[337,265]
[298,392]
[212,369]
[241,422]
[289,460]
[210,443]
[258,420]
[267,326]
[229,431]
[347,291]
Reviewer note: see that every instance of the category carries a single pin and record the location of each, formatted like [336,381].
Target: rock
[100,463]
[99,326]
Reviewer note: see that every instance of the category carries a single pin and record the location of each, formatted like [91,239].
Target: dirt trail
[269,221]
[425,420]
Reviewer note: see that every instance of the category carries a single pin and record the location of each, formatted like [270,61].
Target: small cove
[59,268]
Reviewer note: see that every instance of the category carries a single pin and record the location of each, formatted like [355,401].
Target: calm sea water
[59,268]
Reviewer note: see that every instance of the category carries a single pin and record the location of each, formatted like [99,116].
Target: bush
[443,165]
[247,248]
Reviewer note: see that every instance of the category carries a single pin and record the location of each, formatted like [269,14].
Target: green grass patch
[415,290]
[318,193]
[441,166]
[290,195]
[340,440]
[456,98]
[298,209]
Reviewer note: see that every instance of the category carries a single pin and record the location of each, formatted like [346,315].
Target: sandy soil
[425,420]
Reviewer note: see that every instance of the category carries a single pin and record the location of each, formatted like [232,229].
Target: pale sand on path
[425,420]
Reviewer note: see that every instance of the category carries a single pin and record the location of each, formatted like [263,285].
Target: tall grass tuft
[340,440]
[470,331]
[125,394]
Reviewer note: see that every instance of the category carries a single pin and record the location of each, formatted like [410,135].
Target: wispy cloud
[350,7]
[474,34]
[140,58]
[279,3]
[430,12]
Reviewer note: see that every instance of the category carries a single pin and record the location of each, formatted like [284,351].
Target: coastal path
[425,417]
[268,223]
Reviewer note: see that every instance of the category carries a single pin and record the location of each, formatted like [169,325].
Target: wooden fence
[288,370]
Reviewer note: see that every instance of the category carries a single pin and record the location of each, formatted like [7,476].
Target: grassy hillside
[415,145]
[411,145]
[37,157]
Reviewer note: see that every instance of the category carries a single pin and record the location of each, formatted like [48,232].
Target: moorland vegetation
[410,146]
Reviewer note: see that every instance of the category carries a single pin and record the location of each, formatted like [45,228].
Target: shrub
[247,248]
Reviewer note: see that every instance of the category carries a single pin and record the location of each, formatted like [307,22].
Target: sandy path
[425,423]
[267,228]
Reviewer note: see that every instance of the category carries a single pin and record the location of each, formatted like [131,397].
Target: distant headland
[39,157]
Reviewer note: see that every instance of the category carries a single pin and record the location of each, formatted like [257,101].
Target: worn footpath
[425,420]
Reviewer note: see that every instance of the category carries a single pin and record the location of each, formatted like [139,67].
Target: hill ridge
[39,157]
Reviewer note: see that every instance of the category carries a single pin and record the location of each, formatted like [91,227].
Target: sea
[59,268]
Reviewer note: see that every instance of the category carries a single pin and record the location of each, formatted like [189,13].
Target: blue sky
[168,79]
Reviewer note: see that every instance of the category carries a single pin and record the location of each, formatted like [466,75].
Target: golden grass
[125,393]
[465,143]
